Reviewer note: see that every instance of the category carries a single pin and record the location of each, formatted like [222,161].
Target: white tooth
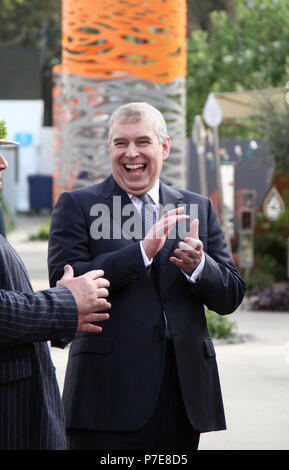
[134,167]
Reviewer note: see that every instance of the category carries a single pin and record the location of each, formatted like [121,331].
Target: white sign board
[24,120]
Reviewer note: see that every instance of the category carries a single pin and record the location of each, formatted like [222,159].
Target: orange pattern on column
[112,39]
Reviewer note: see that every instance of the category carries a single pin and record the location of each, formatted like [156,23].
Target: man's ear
[166,147]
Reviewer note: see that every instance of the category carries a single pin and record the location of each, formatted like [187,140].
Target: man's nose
[3,163]
[132,150]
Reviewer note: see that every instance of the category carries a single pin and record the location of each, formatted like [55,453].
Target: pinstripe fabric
[31,415]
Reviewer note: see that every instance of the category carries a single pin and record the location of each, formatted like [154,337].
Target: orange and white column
[114,52]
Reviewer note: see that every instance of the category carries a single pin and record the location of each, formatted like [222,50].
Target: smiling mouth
[135,168]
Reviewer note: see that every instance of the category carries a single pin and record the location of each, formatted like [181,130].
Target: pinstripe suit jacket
[31,415]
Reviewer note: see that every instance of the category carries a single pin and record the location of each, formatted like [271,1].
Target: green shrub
[270,245]
[258,279]
[3,130]
[220,327]
[42,234]
[8,219]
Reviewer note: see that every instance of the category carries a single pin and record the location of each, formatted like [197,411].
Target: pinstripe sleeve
[39,316]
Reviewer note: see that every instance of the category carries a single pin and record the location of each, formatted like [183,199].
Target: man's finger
[89,319]
[194,229]
[101,282]
[186,246]
[170,222]
[102,292]
[183,255]
[175,211]
[165,225]
[101,302]
[177,261]
[95,273]
[96,317]
[90,328]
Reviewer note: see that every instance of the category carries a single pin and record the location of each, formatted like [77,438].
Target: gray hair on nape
[132,113]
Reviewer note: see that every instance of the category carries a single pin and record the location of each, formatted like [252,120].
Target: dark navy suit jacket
[113,379]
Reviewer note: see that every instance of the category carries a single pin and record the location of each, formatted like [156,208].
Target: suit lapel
[118,204]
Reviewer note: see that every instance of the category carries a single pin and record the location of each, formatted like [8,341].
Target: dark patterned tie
[149,213]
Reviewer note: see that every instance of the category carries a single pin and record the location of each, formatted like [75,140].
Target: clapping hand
[157,235]
[189,253]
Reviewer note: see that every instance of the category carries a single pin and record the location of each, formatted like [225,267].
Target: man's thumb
[68,272]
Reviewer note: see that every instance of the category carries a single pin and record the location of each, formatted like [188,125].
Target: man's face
[3,166]
[136,155]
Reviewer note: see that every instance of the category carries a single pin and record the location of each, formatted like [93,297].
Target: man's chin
[137,190]
[135,187]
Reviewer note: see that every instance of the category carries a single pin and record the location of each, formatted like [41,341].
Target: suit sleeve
[220,287]
[69,244]
[39,316]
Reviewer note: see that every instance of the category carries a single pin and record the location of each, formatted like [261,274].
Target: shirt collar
[154,193]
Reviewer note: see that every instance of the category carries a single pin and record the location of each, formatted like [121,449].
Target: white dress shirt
[154,195]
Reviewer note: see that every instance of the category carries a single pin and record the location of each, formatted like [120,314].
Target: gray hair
[134,112]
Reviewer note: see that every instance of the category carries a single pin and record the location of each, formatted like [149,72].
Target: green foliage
[32,23]
[8,220]
[42,233]
[220,327]
[272,121]
[270,250]
[3,130]
[199,12]
[258,278]
[250,51]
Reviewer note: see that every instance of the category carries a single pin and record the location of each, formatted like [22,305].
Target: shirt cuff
[146,260]
[194,277]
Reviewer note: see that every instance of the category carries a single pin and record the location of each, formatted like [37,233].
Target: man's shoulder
[93,190]
[13,275]
[191,195]
[5,248]
[97,188]
[188,196]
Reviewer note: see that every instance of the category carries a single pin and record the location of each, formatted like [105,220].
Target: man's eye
[120,144]
[143,142]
